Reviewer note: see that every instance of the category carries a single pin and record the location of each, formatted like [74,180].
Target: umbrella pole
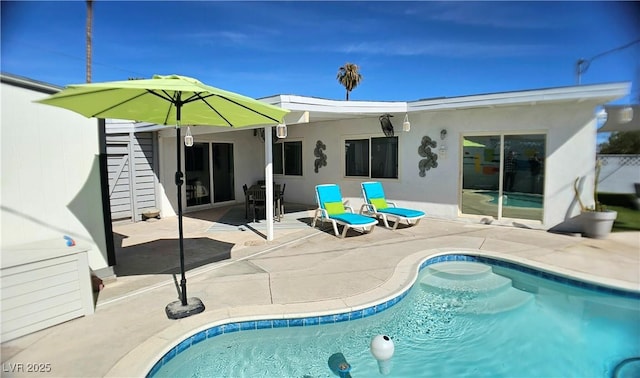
[184,307]
[179,182]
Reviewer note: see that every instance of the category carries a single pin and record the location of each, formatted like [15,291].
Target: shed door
[132,180]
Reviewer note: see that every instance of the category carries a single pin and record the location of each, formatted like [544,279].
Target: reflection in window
[384,157]
[287,158]
[223,172]
[522,170]
[382,152]
[357,157]
[197,183]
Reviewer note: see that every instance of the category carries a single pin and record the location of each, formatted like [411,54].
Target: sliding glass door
[503,175]
[209,172]
[197,182]
[223,177]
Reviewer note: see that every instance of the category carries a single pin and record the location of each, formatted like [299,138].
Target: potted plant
[597,220]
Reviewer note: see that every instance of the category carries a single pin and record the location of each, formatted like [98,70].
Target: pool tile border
[375,309]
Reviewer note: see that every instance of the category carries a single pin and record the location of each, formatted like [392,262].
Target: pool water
[455,321]
[533,201]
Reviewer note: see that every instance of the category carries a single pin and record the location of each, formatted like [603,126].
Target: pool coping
[149,356]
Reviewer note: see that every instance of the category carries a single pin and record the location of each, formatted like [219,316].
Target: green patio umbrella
[165,100]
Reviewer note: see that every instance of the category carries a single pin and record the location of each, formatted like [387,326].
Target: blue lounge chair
[377,206]
[332,209]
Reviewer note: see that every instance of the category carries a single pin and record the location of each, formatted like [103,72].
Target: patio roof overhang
[313,109]
[320,109]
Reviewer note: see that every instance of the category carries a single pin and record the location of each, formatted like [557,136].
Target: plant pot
[598,224]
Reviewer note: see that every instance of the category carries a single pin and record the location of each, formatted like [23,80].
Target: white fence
[619,173]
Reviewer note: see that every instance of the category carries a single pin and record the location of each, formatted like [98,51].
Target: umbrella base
[175,310]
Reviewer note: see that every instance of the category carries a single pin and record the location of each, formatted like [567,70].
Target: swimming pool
[533,201]
[510,321]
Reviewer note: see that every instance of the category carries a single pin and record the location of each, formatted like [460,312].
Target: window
[287,158]
[371,157]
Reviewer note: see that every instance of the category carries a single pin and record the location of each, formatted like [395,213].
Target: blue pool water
[533,201]
[508,321]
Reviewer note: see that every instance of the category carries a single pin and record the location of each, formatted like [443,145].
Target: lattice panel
[627,160]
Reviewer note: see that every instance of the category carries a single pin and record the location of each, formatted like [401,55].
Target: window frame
[369,138]
[281,145]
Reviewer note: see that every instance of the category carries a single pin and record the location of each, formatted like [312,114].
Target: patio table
[260,192]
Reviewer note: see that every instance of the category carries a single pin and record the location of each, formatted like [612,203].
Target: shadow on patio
[162,256]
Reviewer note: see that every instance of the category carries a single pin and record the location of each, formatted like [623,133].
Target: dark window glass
[293,158]
[197,183]
[381,152]
[384,157]
[357,157]
[278,168]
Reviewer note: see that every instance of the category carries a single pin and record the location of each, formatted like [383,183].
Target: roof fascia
[601,92]
[30,84]
[314,104]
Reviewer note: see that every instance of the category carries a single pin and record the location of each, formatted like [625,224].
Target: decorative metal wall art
[385,124]
[321,157]
[430,158]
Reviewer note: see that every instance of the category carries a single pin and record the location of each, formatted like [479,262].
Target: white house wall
[569,127]
[568,124]
[50,177]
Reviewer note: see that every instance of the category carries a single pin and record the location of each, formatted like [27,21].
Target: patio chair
[248,201]
[377,206]
[259,204]
[281,199]
[332,209]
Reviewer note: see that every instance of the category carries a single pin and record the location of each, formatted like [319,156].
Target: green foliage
[627,142]
[349,76]
[617,199]
[627,219]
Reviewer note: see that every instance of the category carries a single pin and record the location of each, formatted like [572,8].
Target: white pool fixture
[382,349]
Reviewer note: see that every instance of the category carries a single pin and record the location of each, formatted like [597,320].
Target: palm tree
[349,77]
[88,33]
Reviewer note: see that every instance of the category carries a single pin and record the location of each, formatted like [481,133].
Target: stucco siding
[570,140]
[564,118]
[50,175]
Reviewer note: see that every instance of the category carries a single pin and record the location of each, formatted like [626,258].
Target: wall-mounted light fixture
[442,151]
[281,131]
[625,115]
[406,125]
[188,138]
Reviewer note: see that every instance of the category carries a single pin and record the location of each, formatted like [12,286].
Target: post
[268,177]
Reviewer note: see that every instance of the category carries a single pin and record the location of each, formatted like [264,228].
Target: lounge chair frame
[368,209]
[322,214]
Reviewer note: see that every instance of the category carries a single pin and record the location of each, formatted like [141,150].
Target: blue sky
[406,50]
